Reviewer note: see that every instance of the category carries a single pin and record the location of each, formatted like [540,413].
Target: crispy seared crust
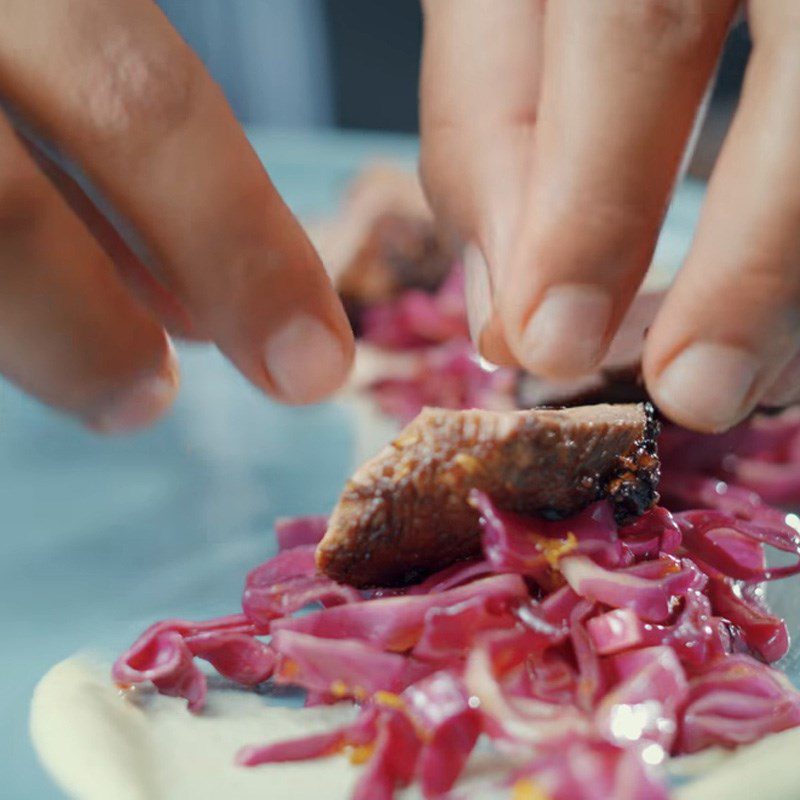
[405,512]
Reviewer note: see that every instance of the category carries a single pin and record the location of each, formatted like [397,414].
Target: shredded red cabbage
[448,375]
[296,531]
[744,472]
[288,583]
[164,655]
[417,318]
[734,701]
[590,768]
[587,652]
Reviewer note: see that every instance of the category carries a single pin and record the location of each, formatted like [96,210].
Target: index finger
[118,90]
[622,84]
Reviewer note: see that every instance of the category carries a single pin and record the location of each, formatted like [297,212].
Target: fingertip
[707,386]
[306,360]
[492,344]
[567,333]
[141,403]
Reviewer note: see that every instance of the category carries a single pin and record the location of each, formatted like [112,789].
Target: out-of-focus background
[353,64]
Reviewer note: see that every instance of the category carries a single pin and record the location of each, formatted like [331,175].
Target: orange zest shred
[526,789]
[555,549]
[389,699]
[358,754]
[337,747]
[288,668]
[405,641]
[339,689]
[671,568]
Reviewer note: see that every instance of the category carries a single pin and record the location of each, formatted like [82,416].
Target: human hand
[82,321]
[552,134]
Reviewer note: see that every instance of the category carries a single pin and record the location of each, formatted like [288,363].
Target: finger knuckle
[138,91]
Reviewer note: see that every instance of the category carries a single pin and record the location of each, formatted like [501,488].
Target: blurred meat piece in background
[378,190]
[400,252]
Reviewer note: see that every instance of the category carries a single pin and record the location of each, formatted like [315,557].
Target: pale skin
[552,133]
[83,322]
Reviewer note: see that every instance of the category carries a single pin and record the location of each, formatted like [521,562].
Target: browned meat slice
[399,252]
[405,512]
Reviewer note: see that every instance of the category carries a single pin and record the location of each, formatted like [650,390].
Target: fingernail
[142,404]
[707,385]
[477,291]
[566,334]
[305,360]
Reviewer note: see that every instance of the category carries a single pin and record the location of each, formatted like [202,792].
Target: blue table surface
[103,536]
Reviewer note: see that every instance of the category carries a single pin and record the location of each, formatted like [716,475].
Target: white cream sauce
[98,743]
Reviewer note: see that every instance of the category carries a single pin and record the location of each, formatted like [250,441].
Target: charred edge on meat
[633,488]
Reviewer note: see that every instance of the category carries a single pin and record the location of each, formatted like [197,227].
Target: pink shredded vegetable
[432,329]
[588,651]
[417,318]
[447,375]
[296,531]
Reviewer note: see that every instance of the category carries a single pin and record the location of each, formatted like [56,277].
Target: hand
[552,134]
[82,320]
